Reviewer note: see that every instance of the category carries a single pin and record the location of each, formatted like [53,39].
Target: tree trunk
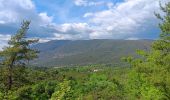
[10,82]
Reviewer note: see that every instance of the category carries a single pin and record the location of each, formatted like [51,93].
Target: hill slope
[82,52]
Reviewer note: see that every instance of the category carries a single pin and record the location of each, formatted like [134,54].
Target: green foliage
[139,87]
[1,95]
[16,56]
[40,91]
[149,76]
[63,92]
[78,83]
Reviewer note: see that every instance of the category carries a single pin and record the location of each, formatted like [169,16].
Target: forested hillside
[83,52]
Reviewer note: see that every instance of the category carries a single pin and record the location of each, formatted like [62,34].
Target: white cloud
[45,18]
[72,31]
[96,3]
[14,11]
[110,5]
[3,40]
[2,22]
[25,4]
[11,10]
[88,3]
[80,2]
[120,21]
[124,19]
[88,15]
[132,38]
[5,37]
[2,45]
[80,27]
[42,40]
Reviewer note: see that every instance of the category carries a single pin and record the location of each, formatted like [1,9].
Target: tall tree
[18,53]
[150,73]
[161,47]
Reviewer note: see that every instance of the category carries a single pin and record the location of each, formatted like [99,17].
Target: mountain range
[85,52]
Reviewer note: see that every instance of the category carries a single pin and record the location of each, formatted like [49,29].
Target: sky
[80,19]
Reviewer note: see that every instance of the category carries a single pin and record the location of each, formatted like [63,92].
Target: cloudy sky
[80,19]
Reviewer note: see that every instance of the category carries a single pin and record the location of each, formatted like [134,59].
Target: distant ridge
[83,52]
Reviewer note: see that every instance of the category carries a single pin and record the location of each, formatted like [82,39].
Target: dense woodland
[144,78]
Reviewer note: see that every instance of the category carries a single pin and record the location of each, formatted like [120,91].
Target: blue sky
[64,11]
[80,19]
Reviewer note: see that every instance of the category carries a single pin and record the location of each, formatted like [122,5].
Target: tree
[150,73]
[63,92]
[162,48]
[17,54]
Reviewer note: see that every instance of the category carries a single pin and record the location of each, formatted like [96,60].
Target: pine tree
[17,54]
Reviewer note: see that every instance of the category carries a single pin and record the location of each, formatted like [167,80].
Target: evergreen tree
[17,54]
